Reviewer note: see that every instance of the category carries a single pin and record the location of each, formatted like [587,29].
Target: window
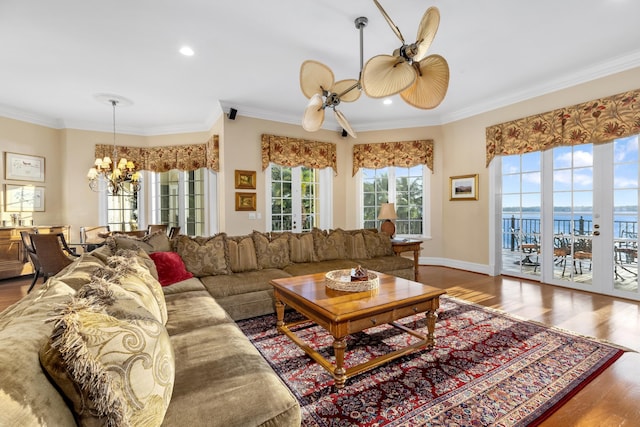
[297,195]
[122,210]
[179,199]
[403,186]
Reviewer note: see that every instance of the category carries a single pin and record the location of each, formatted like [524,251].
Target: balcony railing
[513,226]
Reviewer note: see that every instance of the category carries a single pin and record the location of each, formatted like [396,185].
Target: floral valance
[285,151]
[162,159]
[602,120]
[404,154]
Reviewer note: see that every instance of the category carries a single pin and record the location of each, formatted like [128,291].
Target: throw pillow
[271,253]
[354,245]
[171,268]
[301,247]
[329,246]
[378,244]
[204,256]
[154,242]
[127,270]
[79,273]
[109,378]
[242,254]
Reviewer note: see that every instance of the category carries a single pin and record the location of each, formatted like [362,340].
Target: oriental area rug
[487,368]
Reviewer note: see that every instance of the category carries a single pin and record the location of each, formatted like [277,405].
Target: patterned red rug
[487,368]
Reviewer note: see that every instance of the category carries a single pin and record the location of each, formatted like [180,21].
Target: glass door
[570,216]
[521,209]
[294,198]
[625,216]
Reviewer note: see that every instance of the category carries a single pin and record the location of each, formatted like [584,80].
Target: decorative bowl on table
[341,280]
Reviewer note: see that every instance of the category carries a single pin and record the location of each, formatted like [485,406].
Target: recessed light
[387,101]
[186,51]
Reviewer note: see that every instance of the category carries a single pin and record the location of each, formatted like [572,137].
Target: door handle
[596,233]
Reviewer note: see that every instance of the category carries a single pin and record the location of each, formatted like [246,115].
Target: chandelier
[117,173]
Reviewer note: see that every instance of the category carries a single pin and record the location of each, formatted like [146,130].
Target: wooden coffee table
[345,313]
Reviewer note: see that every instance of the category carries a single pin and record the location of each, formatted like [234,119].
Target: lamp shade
[387,211]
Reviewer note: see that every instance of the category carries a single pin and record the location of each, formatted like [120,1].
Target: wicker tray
[340,280]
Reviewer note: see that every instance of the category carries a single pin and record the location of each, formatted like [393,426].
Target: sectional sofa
[142,331]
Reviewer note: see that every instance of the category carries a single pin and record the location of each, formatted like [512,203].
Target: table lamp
[388,212]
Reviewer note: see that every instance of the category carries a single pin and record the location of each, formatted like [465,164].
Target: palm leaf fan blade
[313,114]
[342,121]
[393,26]
[427,32]
[431,85]
[314,76]
[347,90]
[386,75]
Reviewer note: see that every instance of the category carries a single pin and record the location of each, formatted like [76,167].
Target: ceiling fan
[318,84]
[421,80]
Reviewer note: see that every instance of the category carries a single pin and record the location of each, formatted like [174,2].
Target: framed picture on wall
[23,198]
[245,201]
[463,187]
[22,167]
[246,180]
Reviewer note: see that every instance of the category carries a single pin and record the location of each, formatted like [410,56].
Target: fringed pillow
[126,270]
[115,372]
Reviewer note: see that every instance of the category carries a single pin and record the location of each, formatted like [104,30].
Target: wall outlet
[259,215]
[252,215]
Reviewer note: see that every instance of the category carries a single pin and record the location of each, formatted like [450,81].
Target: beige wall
[459,229]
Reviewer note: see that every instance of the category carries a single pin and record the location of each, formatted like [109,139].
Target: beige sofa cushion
[115,372]
[242,254]
[27,397]
[271,253]
[154,242]
[329,245]
[301,247]
[204,256]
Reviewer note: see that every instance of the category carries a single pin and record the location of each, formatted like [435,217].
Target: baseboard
[453,263]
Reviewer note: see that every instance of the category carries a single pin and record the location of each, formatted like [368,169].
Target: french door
[294,198]
[570,216]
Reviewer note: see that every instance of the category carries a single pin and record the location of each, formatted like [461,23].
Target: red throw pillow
[170,267]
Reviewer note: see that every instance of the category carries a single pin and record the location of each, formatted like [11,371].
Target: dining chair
[52,252]
[31,253]
[152,228]
[173,232]
[93,237]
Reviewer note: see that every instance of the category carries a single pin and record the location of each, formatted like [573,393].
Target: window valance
[161,159]
[403,154]
[286,151]
[601,120]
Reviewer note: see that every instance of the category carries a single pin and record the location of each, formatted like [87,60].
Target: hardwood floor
[612,399]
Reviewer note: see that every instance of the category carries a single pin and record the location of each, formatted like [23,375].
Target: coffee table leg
[279,313]
[431,316]
[339,373]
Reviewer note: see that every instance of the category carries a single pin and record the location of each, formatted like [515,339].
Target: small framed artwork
[463,187]
[23,198]
[246,180]
[245,201]
[22,167]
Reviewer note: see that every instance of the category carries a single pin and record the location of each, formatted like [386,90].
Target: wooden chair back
[52,251]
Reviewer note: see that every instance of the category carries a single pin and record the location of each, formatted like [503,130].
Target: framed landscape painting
[246,179]
[245,201]
[22,167]
[463,187]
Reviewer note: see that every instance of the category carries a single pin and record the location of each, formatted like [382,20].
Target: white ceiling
[57,55]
